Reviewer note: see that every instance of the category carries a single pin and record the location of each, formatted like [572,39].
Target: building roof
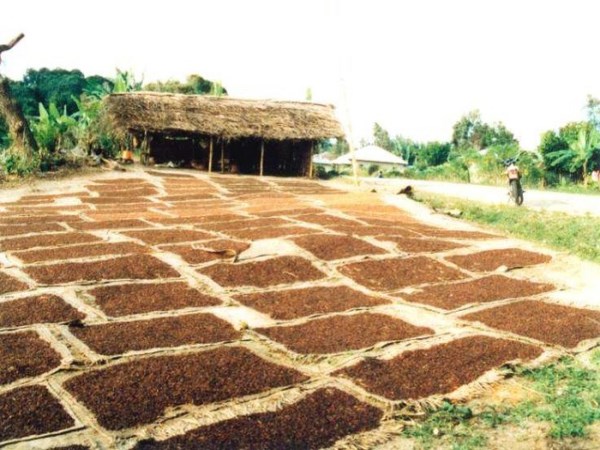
[371,154]
[224,117]
[324,158]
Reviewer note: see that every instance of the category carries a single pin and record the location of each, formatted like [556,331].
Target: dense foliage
[195,84]
[64,111]
[477,152]
[57,86]
[571,152]
[472,132]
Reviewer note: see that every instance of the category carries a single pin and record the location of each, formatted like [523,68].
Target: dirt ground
[174,307]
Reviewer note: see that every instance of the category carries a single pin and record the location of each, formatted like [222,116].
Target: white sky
[413,66]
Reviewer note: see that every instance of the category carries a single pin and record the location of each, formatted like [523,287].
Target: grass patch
[571,397]
[568,401]
[450,425]
[573,188]
[579,235]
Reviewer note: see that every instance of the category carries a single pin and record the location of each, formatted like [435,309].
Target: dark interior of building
[281,158]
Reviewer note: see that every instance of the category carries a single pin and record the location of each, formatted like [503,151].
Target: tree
[398,145]
[557,144]
[406,148]
[195,84]
[217,89]
[464,129]
[22,139]
[472,131]
[96,85]
[502,136]
[559,150]
[125,81]
[58,86]
[433,154]
[382,138]
[340,147]
[550,144]
[593,110]
[580,149]
[93,130]
[201,85]
[585,147]
[4,138]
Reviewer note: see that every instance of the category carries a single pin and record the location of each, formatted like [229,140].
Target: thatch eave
[222,117]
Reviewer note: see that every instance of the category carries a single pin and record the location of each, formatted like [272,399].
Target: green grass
[579,235]
[450,424]
[568,401]
[571,397]
[591,188]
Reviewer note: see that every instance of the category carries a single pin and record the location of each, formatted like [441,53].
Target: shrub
[392,173]
[323,174]
[13,163]
[372,169]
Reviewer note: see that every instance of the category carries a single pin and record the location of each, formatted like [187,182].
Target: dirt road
[535,199]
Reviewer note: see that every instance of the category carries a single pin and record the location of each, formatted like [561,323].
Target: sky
[413,66]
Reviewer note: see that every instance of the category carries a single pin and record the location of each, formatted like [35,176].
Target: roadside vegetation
[564,159]
[579,235]
[563,405]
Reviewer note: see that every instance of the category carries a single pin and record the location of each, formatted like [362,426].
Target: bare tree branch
[11,44]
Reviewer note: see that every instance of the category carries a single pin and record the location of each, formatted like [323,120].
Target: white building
[324,159]
[372,155]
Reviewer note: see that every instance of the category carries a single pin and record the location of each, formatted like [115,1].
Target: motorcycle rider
[513,172]
[515,189]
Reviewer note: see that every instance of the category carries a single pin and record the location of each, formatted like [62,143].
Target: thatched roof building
[225,117]
[254,133]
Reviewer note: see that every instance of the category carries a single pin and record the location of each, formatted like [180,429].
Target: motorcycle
[515,192]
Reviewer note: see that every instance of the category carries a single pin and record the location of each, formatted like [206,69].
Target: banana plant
[580,151]
[125,82]
[53,129]
[217,89]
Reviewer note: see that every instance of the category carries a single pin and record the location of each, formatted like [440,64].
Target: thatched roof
[222,116]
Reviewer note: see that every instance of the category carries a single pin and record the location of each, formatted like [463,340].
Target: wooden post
[222,156]
[145,149]
[262,156]
[310,159]
[194,160]
[210,155]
